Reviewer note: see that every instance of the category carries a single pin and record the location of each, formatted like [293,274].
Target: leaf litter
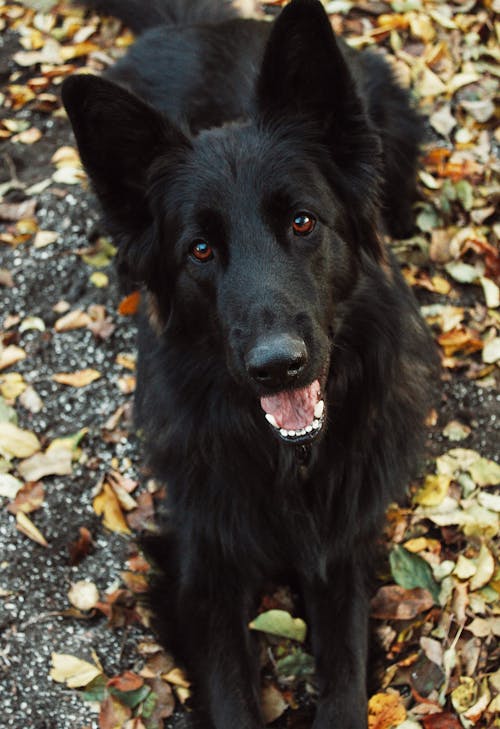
[438,605]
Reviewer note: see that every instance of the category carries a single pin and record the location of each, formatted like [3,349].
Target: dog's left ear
[305,74]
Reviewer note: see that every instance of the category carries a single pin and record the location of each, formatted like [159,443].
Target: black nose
[277,361]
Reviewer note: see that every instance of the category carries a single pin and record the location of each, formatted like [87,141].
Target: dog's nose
[277,361]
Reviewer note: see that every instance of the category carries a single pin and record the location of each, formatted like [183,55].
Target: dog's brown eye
[202,251]
[303,224]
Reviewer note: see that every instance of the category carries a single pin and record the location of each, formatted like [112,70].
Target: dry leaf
[273,704]
[83,595]
[106,504]
[393,602]
[17,443]
[72,671]
[385,711]
[81,378]
[10,355]
[26,527]
[76,319]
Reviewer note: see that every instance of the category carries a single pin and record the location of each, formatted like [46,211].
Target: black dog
[284,371]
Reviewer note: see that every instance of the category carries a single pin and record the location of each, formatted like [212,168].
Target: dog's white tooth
[308,428]
[292,433]
[271,419]
[318,410]
[316,424]
[283,432]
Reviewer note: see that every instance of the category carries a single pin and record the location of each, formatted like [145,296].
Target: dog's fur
[223,132]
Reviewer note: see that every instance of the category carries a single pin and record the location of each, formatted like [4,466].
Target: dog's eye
[202,251]
[303,223]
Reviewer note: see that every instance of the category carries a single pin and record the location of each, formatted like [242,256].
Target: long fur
[221,132]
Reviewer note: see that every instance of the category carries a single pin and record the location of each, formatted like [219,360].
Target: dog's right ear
[119,137]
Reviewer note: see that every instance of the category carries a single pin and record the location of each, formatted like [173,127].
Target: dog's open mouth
[296,416]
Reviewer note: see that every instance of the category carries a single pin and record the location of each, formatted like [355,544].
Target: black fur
[222,132]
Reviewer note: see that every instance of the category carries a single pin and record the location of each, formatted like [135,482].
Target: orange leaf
[106,504]
[459,340]
[385,711]
[128,681]
[129,305]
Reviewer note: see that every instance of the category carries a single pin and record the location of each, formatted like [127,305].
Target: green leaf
[409,571]
[131,698]
[149,705]
[96,690]
[280,623]
[465,194]
[297,664]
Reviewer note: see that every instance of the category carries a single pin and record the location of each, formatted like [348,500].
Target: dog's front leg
[338,620]
[219,652]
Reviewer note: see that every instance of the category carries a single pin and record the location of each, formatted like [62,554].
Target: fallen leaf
[17,443]
[80,378]
[385,711]
[76,319]
[485,568]
[273,704]
[45,238]
[26,527]
[10,355]
[106,504]
[83,595]
[280,623]
[128,681]
[393,602]
[72,671]
[129,305]
[81,547]
[55,461]
[9,486]
[409,571]
[433,491]
[29,498]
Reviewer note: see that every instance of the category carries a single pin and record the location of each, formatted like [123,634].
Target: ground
[68,508]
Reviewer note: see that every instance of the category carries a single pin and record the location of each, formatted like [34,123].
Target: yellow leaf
[80,378]
[99,279]
[464,696]
[433,491]
[385,711]
[11,385]
[72,671]
[17,443]
[485,567]
[106,504]
[26,526]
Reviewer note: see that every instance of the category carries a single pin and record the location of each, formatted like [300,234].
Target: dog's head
[249,235]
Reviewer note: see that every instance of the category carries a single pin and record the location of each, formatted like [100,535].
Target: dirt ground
[36,618]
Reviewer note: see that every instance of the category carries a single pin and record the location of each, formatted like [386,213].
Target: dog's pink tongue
[293,410]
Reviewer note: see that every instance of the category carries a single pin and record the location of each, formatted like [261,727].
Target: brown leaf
[29,498]
[128,681]
[441,721]
[18,211]
[165,703]
[273,704]
[80,547]
[113,714]
[395,603]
